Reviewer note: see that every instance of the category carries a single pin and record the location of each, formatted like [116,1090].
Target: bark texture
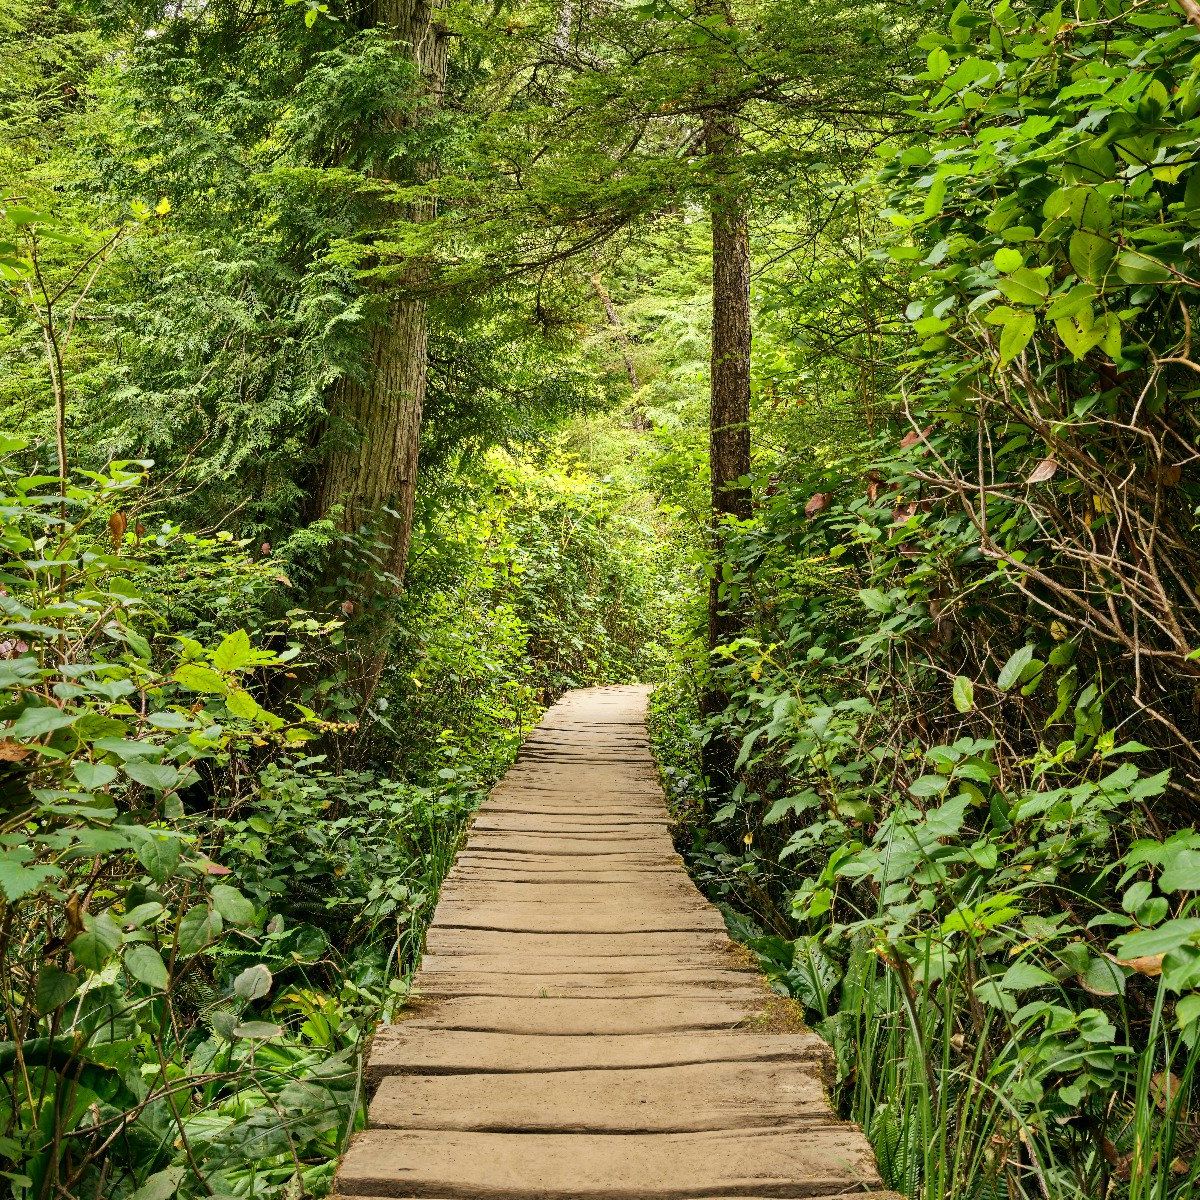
[369,478]
[729,413]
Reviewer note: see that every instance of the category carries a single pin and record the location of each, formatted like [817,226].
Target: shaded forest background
[374,374]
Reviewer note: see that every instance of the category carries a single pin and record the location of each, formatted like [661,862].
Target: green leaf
[199,927]
[1183,931]
[1015,335]
[201,679]
[145,964]
[241,704]
[1022,976]
[18,879]
[160,856]
[258,1030]
[929,785]
[1187,1011]
[234,651]
[95,945]
[1090,255]
[1182,874]
[162,1185]
[1009,259]
[963,694]
[875,600]
[159,777]
[36,722]
[1011,671]
[94,776]
[1024,286]
[54,988]
[232,905]
[1141,268]
[253,983]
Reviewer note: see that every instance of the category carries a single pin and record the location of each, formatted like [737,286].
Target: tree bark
[729,411]
[369,477]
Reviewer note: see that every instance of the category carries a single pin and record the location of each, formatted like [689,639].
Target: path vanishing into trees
[583,1026]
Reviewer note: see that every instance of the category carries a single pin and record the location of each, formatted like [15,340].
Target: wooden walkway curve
[584,1027]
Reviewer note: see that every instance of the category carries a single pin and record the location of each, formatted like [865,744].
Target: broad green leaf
[1171,935]
[241,704]
[1141,268]
[253,983]
[963,694]
[232,905]
[36,722]
[259,1031]
[1011,671]
[875,600]
[1015,335]
[95,945]
[160,855]
[1090,255]
[18,877]
[160,777]
[201,679]
[54,988]
[145,964]
[200,926]
[1024,286]
[162,1185]
[1182,874]
[94,776]
[234,651]
[1009,259]
[1022,976]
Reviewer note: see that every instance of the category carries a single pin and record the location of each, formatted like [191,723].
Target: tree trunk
[369,477]
[729,412]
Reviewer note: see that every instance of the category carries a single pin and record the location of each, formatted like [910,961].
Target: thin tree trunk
[729,412]
[369,477]
[614,320]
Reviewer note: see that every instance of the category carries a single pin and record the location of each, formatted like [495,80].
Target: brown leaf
[1148,964]
[816,503]
[1164,1087]
[1043,471]
[12,751]
[212,868]
[913,437]
[117,524]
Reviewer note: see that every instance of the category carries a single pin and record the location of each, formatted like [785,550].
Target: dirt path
[586,1028]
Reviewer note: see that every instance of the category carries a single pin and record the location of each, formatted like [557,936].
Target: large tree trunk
[729,412]
[369,477]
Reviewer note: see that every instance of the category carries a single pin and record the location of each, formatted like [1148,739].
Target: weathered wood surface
[583,1027]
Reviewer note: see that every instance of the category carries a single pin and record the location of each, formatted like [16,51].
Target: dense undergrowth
[211,893]
[962,826]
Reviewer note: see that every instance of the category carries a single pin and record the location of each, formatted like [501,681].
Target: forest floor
[584,1027]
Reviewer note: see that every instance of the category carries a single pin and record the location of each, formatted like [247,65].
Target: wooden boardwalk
[585,1028]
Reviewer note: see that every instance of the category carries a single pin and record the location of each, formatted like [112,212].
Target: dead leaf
[1043,471]
[1164,1087]
[12,751]
[913,437]
[816,504]
[212,868]
[117,524]
[1149,964]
